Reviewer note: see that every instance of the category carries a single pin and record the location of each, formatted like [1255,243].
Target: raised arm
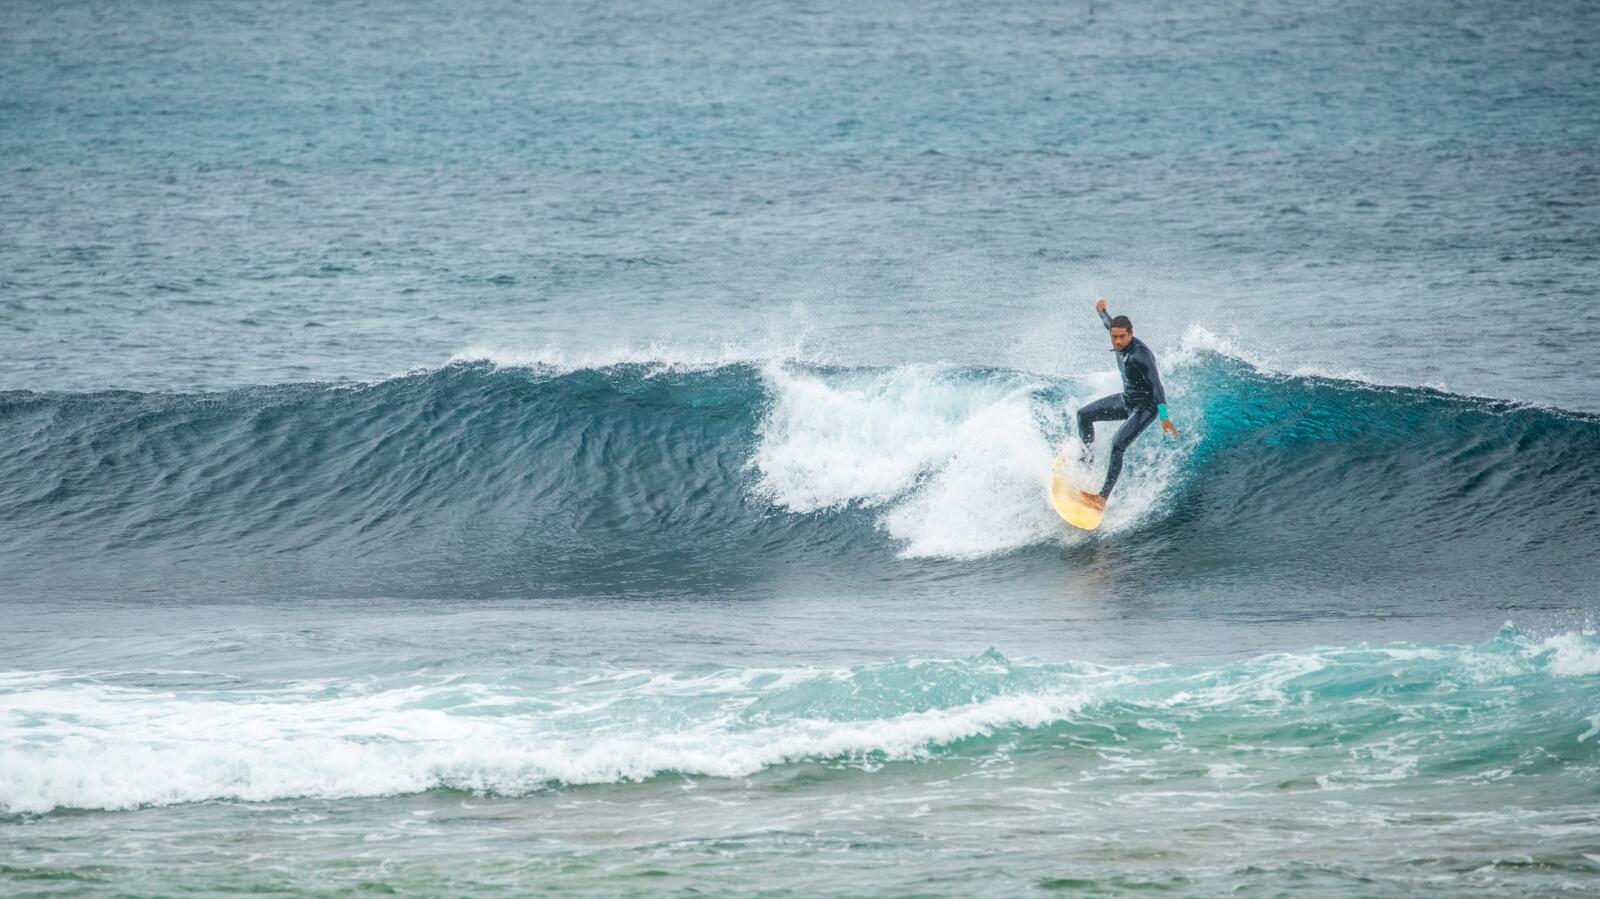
[1100,307]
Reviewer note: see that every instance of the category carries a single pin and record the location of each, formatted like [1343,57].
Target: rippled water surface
[495,448]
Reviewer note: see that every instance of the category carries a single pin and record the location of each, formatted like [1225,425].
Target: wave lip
[1366,717]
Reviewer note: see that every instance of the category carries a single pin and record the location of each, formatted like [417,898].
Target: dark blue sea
[497,449]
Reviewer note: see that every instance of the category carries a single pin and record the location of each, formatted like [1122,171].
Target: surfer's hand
[1100,305]
[1169,427]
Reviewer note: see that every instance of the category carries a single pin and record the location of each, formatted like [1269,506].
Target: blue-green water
[493,448]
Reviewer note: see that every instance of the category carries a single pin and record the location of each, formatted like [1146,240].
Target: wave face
[478,479]
[1392,717]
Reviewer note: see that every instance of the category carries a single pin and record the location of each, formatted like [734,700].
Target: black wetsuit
[1140,398]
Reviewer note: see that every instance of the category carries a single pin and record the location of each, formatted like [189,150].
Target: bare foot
[1093,500]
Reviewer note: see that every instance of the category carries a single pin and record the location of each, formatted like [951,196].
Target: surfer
[1142,400]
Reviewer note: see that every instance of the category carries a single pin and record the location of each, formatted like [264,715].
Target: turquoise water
[1389,769]
[493,448]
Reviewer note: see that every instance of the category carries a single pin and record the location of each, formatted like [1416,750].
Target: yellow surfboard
[1064,496]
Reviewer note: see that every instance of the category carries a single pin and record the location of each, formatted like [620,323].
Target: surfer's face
[1120,338]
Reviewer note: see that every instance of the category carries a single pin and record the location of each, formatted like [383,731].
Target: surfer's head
[1121,332]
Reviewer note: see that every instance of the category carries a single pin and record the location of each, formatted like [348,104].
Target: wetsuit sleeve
[1105,317]
[1157,392]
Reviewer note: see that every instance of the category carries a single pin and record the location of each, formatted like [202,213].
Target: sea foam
[957,466]
[72,740]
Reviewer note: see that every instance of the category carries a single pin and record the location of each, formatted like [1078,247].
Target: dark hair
[1122,321]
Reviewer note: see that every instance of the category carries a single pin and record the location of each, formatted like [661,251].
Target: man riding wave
[1142,400]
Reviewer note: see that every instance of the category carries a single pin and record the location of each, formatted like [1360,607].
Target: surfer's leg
[1138,421]
[1106,408]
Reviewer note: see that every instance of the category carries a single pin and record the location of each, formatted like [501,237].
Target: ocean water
[509,448]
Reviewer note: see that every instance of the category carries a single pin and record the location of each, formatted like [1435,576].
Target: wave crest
[480,477]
